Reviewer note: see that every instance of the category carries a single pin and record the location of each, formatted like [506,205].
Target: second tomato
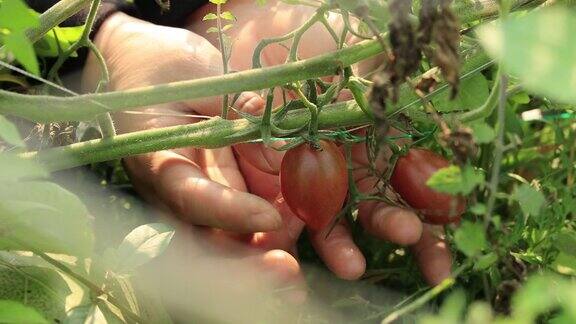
[409,178]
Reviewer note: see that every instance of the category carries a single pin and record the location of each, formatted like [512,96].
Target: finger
[284,238]
[263,158]
[286,273]
[188,192]
[433,255]
[339,252]
[389,223]
[259,183]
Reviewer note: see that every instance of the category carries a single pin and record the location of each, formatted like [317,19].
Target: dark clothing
[147,10]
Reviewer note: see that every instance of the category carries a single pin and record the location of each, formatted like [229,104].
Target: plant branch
[498,151]
[217,132]
[52,17]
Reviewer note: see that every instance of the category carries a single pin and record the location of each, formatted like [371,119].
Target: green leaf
[218,2]
[452,180]
[227,15]
[486,261]
[210,16]
[536,297]
[19,45]
[12,312]
[483,133]
[13,169]
[565,264]
[474,91]
[478,209]
[212,30]
[470,238]
[531,200]
[142,245]
[45,217]
[62,37]
[17,17]
[9,132]
[565,241]
[544,40]
[226,27]
[86,314]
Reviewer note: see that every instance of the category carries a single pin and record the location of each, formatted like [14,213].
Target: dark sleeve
[172,13]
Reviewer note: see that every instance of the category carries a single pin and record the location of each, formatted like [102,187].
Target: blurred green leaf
[483,133]
[531,200]
[453,180]
[44,216]
[479,313]
[142,245]
[13,169]
[565,241]
[86,314]
[538,295]
[486,261]
[12,312]
[470,238]
[564,264]
[539,49]
[9,132]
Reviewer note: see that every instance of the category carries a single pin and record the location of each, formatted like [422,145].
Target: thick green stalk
[217,132]
[52,108]
[214,133]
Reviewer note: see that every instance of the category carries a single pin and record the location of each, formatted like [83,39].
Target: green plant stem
[52,17]
[421,301]
[225,99]
[313,109]
[428,296]
[104,120]
[82,42]
[498,152]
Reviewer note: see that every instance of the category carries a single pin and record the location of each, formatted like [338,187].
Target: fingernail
[266,222]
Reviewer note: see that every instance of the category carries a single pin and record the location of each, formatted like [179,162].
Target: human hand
[202,187]
[390,223]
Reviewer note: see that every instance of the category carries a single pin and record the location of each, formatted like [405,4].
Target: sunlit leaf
[470,238]
[142,245]
[453,180]
[12,312]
